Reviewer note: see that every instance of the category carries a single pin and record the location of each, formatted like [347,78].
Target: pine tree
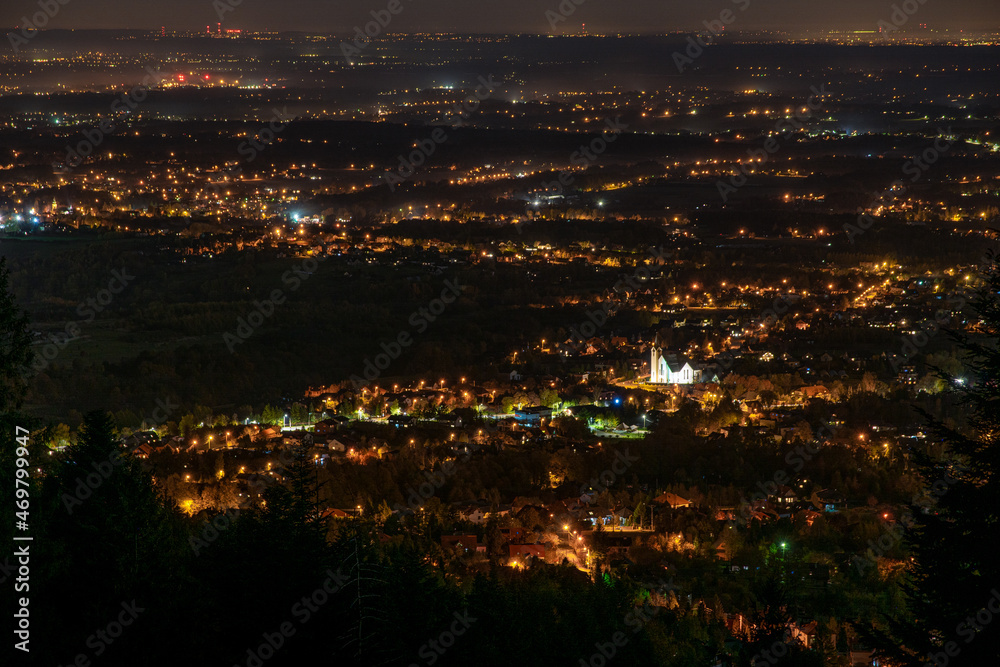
[956,569]
[106,536]
[15,345]
[291,513]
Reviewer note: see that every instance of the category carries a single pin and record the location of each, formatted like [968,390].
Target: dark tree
[956,571]
[15,345]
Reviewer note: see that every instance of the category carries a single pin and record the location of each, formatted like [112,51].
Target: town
[516,345]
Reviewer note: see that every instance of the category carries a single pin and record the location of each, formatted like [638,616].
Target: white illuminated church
[669,368]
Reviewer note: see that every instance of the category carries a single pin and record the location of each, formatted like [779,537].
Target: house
[451,419]
[472,513]
[339,444]
[721,549]
[344,444]
[828,501]
[526,550]
[461,543]
[400,421]
[592,346]
[861,657]
[815,391]
[571,506]
[318,454]
[378,445]
[617,544]
[907,376]
[513,535]
[326,426]
[804,634]
[737,624]
[606,396]
[142,451]
[785,495]
[673,500]
[808,516]
[725,513]
[533,416]
[599,515]
[142,438]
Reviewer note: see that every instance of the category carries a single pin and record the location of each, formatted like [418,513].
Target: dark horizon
[673,344]
[518,17]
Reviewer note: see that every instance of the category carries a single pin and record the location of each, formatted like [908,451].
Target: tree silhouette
[108,537]
[956,570]
[15,346]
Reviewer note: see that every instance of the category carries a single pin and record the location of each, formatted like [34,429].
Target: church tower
[654,360]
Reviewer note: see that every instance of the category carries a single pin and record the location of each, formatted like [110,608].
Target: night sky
[495,16]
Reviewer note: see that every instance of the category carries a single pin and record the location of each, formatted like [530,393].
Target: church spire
[654,360]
